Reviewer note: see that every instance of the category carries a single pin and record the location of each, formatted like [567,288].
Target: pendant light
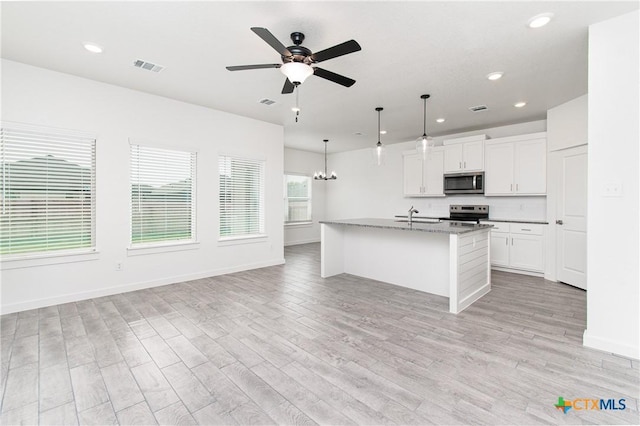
[322,175]
[424,143]
[379,149]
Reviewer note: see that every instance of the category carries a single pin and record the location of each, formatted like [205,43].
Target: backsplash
[518,208]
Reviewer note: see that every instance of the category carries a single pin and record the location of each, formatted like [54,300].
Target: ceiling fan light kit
[322,175]
[296,72]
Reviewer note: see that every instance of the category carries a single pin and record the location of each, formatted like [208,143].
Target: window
[241,197]
[297,202]
[162,195]
[47,190]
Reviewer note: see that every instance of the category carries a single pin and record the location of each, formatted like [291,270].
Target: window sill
[145,249]
[298,224]
[244,239]
[44,259]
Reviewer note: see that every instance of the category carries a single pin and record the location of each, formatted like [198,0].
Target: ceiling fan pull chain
[297,102]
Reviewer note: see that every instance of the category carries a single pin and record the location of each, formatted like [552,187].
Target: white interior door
[571,225]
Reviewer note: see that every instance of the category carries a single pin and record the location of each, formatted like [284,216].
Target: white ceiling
[408,48]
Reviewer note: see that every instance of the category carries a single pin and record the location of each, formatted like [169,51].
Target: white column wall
[613,298]
[114,114]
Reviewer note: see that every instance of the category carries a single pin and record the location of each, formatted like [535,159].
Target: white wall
[306,163]
[42,97]
[365,190]
[613,299]
[567,124]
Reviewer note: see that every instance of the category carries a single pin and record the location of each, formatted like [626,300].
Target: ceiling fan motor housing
[298,52]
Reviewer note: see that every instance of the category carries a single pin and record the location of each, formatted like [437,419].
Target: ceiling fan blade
[332,76]
[253,67]
[271,40]
[337,50]
[288,87]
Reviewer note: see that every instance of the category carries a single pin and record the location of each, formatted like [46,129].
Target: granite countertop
[438,227]
[539,222]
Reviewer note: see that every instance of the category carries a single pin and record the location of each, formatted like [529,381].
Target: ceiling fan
[297,60]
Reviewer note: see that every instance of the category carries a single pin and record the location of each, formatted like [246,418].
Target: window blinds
[47,190]
[241,197]
[162,195]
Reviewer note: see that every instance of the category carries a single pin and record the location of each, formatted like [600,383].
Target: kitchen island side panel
[469,269]
[416,260]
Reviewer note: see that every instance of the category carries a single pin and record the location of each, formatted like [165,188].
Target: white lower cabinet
[517,246]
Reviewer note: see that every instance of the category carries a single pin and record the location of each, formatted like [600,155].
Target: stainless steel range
[467,213]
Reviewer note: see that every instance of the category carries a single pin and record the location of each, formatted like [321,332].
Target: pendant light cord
[325,158]
[378,126]
[424,122]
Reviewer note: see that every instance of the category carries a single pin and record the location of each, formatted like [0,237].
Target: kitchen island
[448,259]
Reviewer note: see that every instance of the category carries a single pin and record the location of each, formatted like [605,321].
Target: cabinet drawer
[527,228]
[498,226]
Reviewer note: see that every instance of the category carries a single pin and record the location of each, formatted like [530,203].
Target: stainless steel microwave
[464,183]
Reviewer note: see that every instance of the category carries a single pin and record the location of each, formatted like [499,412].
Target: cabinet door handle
[460,165]
[511,187]
[516,187]
[511,241]
[465,164]
[506,240]
[526,229]
[559,222]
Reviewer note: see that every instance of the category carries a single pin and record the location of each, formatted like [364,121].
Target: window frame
[309,198]
[57,256]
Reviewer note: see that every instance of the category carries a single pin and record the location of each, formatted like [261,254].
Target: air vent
[139,63]
[478,108]
[266,101]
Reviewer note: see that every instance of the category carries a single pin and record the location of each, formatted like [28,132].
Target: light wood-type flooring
[281,345]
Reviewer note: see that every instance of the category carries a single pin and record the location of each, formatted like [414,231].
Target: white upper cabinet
[412,173]
[498,165]
[423,178]
[516,165]
[464,157]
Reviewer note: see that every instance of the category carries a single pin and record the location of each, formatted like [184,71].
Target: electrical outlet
[612,189]
[118,266]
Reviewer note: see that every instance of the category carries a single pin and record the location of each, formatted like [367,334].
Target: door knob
[559,222]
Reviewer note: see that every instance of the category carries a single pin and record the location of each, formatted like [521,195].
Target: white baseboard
[298,242]
[108,291]
[612,346]
[518,271]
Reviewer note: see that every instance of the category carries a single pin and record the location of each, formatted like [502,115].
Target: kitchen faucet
[411,212]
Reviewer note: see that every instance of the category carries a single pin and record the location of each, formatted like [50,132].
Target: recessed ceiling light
[519,104]
[540,20]
[92,47]
[440,120]
[495,76]
[383,132]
